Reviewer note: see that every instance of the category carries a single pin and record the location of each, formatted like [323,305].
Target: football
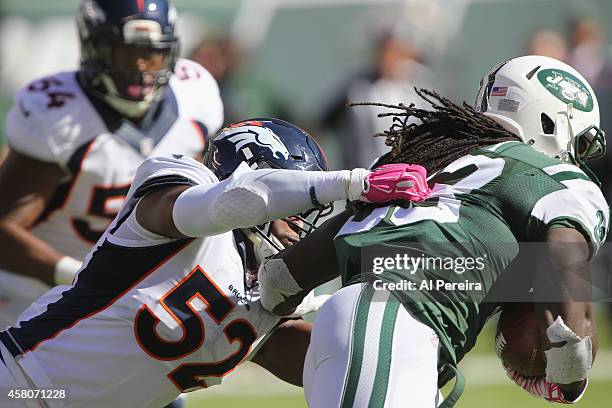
[518,342]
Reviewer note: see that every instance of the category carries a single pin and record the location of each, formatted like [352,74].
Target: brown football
[518,342]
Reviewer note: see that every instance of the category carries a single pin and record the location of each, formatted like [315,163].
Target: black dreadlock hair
[446,133]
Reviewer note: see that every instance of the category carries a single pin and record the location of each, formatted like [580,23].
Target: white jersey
[149,317]
[55,121]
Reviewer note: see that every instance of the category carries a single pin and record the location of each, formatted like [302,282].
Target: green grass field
[486,385]
[501,396]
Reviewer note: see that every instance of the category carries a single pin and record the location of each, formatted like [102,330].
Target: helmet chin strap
[131,109]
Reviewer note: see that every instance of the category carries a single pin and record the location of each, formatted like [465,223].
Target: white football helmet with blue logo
[548,104]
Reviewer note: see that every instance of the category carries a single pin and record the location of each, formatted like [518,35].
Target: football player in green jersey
[511,170]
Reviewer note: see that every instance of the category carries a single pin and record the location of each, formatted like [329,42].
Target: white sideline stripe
[479,370]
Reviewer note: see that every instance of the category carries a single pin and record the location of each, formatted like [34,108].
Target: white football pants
[366,350]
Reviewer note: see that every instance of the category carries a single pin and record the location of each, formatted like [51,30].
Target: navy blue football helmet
[268,143]
[263,143]
[128,51]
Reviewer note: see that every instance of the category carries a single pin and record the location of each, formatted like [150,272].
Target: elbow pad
[209,209]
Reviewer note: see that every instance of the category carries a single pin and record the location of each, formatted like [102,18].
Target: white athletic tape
[65,269]
[311,303]
[571,362]
[275,283]
[356,184]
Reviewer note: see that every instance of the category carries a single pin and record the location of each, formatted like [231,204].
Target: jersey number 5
[177,302]
[101,205]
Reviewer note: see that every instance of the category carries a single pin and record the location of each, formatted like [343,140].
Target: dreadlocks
[446,133]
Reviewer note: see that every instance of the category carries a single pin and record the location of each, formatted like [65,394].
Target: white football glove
[570,362]
[276,283]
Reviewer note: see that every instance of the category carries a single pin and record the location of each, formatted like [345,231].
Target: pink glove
[537,386]
[396,182]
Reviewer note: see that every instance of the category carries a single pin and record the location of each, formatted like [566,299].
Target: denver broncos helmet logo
[259,135]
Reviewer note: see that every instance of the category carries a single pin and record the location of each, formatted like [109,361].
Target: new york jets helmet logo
[567,88]
[259,135]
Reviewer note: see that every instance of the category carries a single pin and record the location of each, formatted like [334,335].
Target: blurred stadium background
[295,58]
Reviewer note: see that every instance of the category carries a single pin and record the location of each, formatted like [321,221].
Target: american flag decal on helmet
[499,91]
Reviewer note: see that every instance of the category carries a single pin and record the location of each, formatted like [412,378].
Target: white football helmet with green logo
[548,104]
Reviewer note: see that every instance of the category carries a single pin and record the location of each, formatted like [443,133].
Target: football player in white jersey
[76,139]
[161,305]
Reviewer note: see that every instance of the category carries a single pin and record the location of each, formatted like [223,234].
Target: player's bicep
[154,212]
[158,182]
[564,271]
[27,185]
[567,248]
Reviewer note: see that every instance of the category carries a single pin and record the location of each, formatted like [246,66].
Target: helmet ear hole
[548,125]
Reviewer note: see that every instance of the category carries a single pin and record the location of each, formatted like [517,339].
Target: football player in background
[77,137]
[503,173]
[161,305]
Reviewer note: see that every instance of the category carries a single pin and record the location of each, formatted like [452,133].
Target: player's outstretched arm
[254,197]
[566,324]
[27,186]
[245,199]
[570,328]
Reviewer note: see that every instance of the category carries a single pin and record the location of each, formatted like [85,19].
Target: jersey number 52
[177,302]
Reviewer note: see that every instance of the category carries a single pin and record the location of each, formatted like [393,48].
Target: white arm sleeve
[253,197]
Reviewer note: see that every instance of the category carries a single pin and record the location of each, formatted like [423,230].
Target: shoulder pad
[47,119]
[197,95]
[170,167]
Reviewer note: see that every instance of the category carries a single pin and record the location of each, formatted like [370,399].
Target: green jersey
[485,202]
